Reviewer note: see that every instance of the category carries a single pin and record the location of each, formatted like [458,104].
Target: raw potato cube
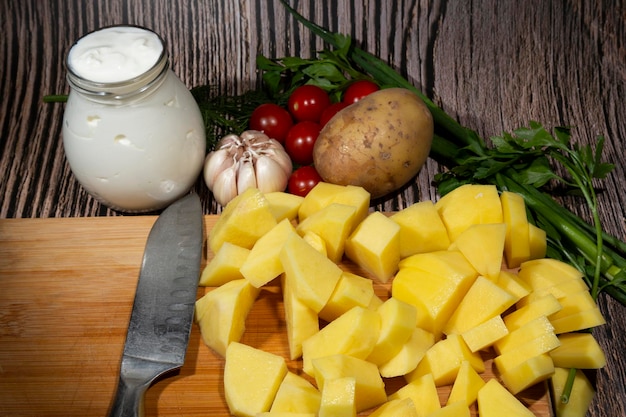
[517,243]
[578,350]
[338,398]
[496,401]
[296,395]
[510,282]
[528,373]
[251,379]
[485,334]
[466,385]
[243,221]
[397,322]
[578,321]
[301,321]
[423,392]
[580,398]
[225,265]
[559,291]
[529,331]
[537,242]
[313,275]
[546,272]
[284,205]
[447,263]
[324,194]
[444,359]
[316,241]
[467,205]
[544,306]
[483,301]
[421,229]
[396,408]
[457,409]
[510,359]
[352,290]
[370,388]
[409,355]
[333,224]
[263,263]
[354,333]
[375,246]
[482,245]
[222,312]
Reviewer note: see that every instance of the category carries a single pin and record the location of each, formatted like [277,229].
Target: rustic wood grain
[494,65]
[68,289]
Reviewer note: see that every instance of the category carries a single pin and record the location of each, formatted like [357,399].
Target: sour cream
[133,134]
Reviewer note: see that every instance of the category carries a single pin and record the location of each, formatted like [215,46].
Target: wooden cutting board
[66,293]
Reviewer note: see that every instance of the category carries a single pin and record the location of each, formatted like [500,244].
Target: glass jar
[132,132]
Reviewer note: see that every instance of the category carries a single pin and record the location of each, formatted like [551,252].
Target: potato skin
[378,143]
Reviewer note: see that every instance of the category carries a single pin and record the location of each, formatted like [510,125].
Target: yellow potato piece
[496,401]
[578,350]
[528,373]
[421,229]
[423,392]
[409,355]
[544,306]
[296,395]
[580,398]
[510,359]
[466,385]
[397,322]
[396,408]
[457,409]
[352,290]
[482,245]
[517,243]
[284,205]
[523,334]
[485,334]
[301,321]
[324,194]
[224,266]
[338,398]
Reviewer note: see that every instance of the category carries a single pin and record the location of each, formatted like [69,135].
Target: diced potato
[409,355]
[517,243]
[546,272]
[243,221]
[421,229]
[467,205]
[222,312]
[580,398]
[301,321]
[316,241]
[537,242]
[423,392]
[457,409]
[396,408]
[352,290]
[447,263]
[333,224]
[528,373]
[483,245]
[370,388]
[496,401]
[251,379]
[544,306]
[523,334]
[375,246]
[354,333]
[263,263]
[397,322]
[296,395]
[560,290]
[510,282]
[314,276]
[466,385]
[510,359]
[573,304]
[338,398]
[284,205]
[483,301]
[485,334]
[225,265]
[324,194]
[578,350]
[578,321]
[444,359]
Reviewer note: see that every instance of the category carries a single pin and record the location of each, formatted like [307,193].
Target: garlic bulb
[251,160]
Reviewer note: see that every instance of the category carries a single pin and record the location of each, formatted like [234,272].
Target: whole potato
[378,143]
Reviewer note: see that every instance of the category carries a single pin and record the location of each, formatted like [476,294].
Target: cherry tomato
[272,120]
[330,111]
[300,141]
[307,102]
[359,89]
[302,180]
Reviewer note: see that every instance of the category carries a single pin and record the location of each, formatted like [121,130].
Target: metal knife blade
[162,314]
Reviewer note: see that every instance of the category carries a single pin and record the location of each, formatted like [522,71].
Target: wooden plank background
[494,65]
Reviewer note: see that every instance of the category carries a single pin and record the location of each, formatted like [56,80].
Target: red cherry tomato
[302,180]
[307,102]
[359,89]
[272,120]
[300,141]
[330,111]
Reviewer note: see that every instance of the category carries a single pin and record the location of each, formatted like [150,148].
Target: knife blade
[162,314]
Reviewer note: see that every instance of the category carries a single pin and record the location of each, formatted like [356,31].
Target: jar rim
[124,89]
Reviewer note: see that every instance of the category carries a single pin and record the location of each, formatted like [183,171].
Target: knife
[162,315]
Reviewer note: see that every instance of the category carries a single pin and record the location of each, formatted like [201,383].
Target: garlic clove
[246,177]
[225,187]
[214,164]
[270,175]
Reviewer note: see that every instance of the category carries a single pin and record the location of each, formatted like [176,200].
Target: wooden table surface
[493,64]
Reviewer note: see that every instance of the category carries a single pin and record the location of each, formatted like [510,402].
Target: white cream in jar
[133,134]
